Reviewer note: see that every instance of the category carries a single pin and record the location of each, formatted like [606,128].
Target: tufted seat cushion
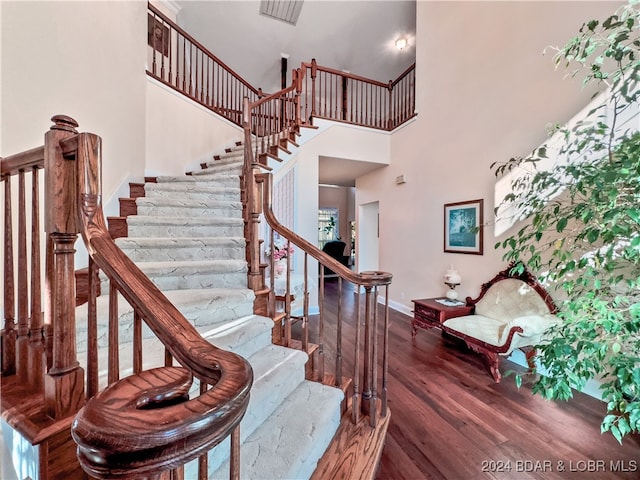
[485,329]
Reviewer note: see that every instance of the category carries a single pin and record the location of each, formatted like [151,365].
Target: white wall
[180,134]
[82,59]
[485,92]
[340,141]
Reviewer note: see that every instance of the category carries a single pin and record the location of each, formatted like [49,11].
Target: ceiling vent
[285,10]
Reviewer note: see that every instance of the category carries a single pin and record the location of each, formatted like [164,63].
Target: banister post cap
[63,122]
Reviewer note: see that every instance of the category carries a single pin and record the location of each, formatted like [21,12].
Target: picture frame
[158,35]
[463,227]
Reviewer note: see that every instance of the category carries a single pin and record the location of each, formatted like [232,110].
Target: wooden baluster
[154,68]
[48,326]
[385,352]
[190,93]
[113,374]
[234,459]
[344,98]
[355,401]
[8,334]
[22,342]
[389,113]
[374,359]
[366,363]
[305,311]
[168,358]
[92,330]
[314,96]
[64,383]
[321,297]
[162,55]
[36,365]
[339,336]
[184,64]
[178,71]
[208,98]
[170,40]
[137,342]
[203,460]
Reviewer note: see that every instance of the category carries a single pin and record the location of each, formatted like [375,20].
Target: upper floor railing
[344,97]
[148,422]
[182,63]
[179,61]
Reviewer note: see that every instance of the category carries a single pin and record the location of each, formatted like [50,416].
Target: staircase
[187,236]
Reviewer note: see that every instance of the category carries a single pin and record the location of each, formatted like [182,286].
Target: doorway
[368,236]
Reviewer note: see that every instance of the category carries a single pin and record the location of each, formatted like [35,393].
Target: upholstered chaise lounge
[512,311]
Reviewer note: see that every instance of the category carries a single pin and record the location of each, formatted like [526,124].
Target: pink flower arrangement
[281,249]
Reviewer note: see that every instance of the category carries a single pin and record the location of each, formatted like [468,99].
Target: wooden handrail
[26,160]
[344,97]
[183,64]
[348,75]
[409,70]
[192,40]
[131,437]
[364,279]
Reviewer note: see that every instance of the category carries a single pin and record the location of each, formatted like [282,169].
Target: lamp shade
[452,277]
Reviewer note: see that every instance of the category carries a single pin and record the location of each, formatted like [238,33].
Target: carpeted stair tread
[185,221]
[188,203]
[206,306]
[244,336]
[277,372]
[148,249]
[188,187]
[290,442]
[220,179]
[194,274]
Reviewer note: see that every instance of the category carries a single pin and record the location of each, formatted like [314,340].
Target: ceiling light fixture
[401,43]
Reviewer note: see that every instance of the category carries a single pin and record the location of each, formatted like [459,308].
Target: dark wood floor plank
[448,416]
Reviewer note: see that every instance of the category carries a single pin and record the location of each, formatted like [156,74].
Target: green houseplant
[582,227]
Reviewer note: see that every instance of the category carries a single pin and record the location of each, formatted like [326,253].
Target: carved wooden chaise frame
[492,352]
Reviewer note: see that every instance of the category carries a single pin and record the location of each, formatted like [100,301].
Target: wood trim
[355,450]
[526,276]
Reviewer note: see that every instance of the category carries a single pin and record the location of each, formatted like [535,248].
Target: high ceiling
[351,35]
[330,31]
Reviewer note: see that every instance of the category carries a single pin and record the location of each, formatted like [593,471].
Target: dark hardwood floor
[449,420]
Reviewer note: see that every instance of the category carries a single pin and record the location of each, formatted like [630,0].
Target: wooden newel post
[64,382]
[252,208]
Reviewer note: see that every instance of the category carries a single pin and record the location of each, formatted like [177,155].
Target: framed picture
[158,35]
[463,227]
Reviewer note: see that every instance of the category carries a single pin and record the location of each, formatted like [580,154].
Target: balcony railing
[179,61]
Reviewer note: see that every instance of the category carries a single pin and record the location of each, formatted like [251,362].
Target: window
[328,225]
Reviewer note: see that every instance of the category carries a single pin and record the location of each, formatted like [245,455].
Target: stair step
[150,226]
[158,249]
[202,307]
[275,376]
[190,274]
[165,206]
[193,190]
[292,440]
[217,179]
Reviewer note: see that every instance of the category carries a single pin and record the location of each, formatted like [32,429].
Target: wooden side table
[428,313]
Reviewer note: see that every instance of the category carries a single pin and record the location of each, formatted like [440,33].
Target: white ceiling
[330,31]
